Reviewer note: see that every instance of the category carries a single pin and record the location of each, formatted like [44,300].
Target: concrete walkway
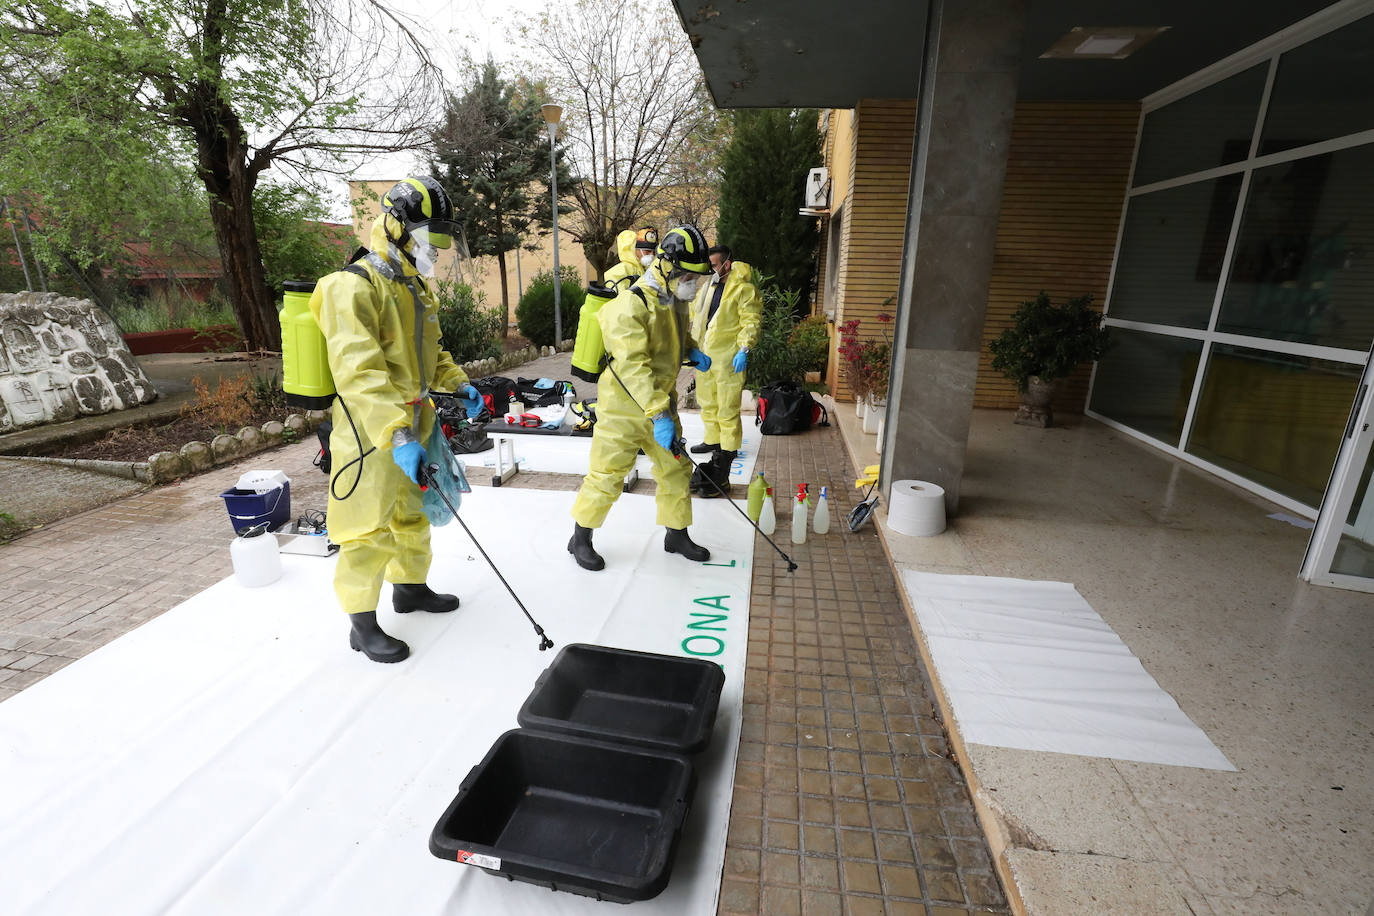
[1201,584]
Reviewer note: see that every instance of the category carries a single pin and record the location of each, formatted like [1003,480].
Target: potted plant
[1044,344]
[866,367]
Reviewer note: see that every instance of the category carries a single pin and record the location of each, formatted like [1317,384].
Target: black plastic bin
[639,698]
[570,814]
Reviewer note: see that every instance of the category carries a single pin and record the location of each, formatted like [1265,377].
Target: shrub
[772,358]
[534,314]
[227,407]
[811,340]
[468,330]
[1049,341]
[265,393]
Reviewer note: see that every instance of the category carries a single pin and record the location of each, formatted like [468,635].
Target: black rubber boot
[703,448]
[368,638]
[677,541]
[718,470]
[581,548]
[407,598]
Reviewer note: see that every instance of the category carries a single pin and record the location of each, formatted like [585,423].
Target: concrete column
[963,129]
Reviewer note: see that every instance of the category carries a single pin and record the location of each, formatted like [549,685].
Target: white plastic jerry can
[256,559]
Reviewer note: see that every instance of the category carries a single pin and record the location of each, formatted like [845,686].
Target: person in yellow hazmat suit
[725,321]
[380,322]
[636,251]
[646,334]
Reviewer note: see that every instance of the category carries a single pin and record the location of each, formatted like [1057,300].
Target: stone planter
[1035,403]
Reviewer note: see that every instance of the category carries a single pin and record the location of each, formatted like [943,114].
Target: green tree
[297,241]
[217,89]
[492,156]
[763,183]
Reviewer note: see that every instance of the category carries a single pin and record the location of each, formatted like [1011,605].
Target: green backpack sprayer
[305,374]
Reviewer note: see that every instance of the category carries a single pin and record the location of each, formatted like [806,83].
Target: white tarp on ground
[234,756]
[1031,665]
[569,454]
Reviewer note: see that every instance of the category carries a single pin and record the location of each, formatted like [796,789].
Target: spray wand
[427,479]
[679,451]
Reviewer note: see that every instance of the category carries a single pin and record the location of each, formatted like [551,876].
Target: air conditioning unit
[818,189]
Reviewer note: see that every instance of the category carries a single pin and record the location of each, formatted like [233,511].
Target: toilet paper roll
[917,508]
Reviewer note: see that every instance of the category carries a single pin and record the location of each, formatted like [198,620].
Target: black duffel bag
[786,408]
[497,392]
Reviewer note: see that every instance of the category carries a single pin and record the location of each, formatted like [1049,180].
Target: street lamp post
[552,113]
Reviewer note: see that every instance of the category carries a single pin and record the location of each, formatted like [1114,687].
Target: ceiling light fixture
[1099,42]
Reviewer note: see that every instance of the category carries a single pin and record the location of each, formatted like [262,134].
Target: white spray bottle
[768,518]
[799,516]
[822,520]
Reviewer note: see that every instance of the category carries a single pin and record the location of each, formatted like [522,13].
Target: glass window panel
[1322,90]
[1304,264]
[1209,128]
[1145,380]
[1171,253]
[1274,419]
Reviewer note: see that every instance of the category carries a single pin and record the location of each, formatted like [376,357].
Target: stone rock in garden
[198,455]
[225,448]
[274,432]
[251,438]
[315,417]
[165,466]
[60,357]
[296,423]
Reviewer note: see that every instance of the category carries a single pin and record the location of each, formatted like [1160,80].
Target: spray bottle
[768,519]
[758,488]
[799,516]
[822,520]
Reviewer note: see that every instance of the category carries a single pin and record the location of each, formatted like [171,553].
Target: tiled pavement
[846,798]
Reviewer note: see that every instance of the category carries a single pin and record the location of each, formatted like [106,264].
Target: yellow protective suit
[620,276]
[734,327]
[646,342]
[369,327]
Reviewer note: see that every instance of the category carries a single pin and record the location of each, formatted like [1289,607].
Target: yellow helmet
[686,249]
[646,239]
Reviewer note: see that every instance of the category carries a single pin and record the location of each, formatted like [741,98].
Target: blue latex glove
[472,400]
[408,457]
[741,360]
[700,361]
[664,433]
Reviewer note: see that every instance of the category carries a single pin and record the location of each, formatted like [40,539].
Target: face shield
[686,284]
[429,239]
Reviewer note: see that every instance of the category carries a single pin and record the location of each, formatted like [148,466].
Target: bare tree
[631,86]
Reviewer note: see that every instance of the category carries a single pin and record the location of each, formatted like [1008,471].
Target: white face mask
[646,260]
[687,287]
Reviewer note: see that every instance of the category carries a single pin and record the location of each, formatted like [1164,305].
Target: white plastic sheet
[570,454]
[1031,665]
[234,756]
